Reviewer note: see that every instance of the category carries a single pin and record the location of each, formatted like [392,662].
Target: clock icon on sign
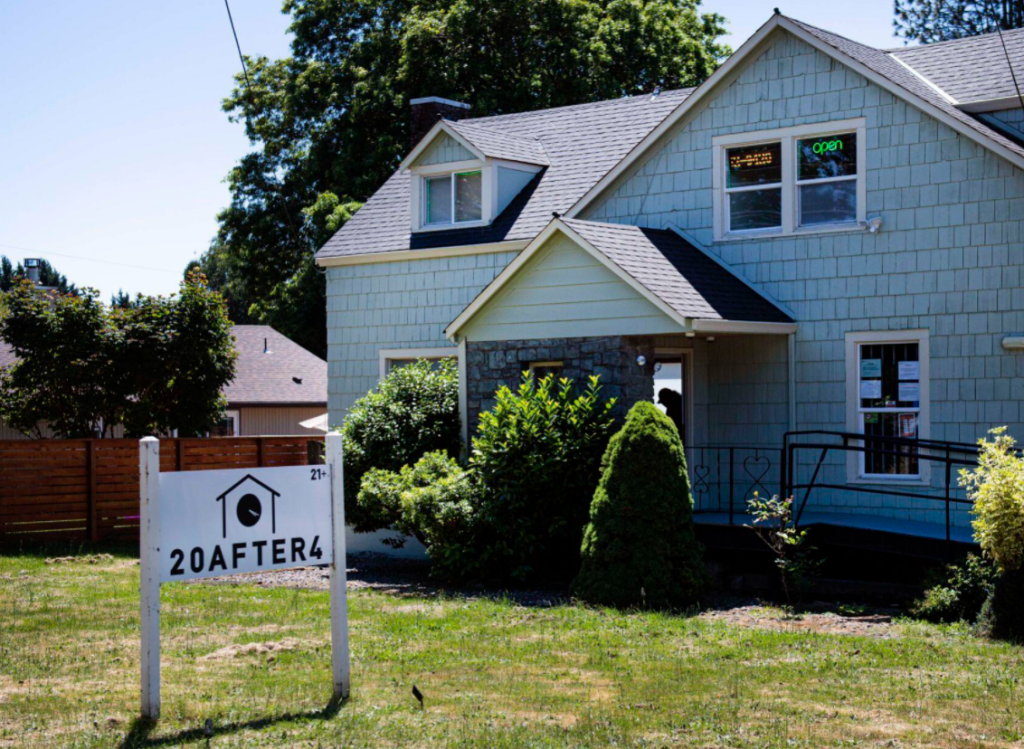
[250,509]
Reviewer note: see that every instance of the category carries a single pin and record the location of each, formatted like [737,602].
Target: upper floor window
[453,198]
[799,179]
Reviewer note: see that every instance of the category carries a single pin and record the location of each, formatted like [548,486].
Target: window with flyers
[889,405]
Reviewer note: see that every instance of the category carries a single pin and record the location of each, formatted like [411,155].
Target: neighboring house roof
[971,69]
[581,143]
[685,283]
[268,366]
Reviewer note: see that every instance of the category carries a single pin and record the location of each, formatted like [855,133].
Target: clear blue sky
[114,147]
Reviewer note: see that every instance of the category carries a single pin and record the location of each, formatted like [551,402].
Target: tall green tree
[153,366]
[331,122]
[929,21]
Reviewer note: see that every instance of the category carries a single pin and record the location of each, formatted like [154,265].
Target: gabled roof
[681,280]
[581,144]
[972,69]
[878,66]
[268,366]
[497,144]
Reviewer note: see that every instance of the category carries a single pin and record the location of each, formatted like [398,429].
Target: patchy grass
[256,661]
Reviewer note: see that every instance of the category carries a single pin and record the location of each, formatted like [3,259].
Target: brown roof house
[279,387]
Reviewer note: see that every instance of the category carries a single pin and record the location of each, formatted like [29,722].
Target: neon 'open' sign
[827,146]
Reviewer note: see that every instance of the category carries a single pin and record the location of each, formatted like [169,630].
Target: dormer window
[454,198]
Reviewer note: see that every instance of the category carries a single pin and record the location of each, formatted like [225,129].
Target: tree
[331,122]
[639,548]
[929,21]
[48,276]
[157,365]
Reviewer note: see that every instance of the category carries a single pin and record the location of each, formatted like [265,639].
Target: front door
[670,389]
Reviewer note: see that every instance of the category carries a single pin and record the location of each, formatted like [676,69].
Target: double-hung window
[808,178]
[454,198]
[888,376]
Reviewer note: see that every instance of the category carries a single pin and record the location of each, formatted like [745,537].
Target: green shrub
[537,455]
[639,548]
[958,592]
[1002,615]
[996,487]
[435,501]
[413,411]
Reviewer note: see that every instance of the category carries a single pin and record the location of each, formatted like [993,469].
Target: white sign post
[207,523]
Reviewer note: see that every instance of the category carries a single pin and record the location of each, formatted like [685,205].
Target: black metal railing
[724,477]
[946,454]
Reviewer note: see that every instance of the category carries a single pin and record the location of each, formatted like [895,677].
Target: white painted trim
[729,68]
[439,100]
[411,354]
[426,140]
[741,326]
[934,87]
[557,225]
[787,137]
[237,429]
[725,266]
[398,256]
[990,105]
[338,583]
[464,394]
[149,574]
[488,195]
[439,170]
[854,339]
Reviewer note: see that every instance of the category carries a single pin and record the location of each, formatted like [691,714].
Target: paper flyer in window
[871,368]
[871,389]
[908,425]
[910,391]
[910,370]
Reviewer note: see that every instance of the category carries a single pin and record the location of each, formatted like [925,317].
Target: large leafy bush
[639,548]
[996,487]
[413,411]
[434,501]
[537,457]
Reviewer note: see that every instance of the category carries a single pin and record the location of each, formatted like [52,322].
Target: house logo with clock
[247,502]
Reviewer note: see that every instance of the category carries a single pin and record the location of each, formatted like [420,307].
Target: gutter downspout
[791,367]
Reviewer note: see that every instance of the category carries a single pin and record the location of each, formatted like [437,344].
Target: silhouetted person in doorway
[673,403]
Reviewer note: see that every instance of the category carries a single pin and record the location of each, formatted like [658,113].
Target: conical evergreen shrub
[639,548]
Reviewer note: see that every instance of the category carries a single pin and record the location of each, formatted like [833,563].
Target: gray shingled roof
[581,143]
[887,65]
[682,276]
[971,69]
[270,378]
[499,144]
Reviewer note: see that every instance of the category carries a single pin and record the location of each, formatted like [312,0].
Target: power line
[86,259]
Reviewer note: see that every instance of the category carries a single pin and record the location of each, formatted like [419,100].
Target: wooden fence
[89,489]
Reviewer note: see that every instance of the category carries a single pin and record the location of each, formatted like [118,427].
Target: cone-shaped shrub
[639,548]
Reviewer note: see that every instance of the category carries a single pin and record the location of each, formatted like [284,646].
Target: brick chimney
[429,109]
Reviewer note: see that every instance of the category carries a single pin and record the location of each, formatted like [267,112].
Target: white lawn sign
[208,523]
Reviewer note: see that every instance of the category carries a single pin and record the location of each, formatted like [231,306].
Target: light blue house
[823,236]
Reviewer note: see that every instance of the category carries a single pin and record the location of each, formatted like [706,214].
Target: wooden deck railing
[89,489]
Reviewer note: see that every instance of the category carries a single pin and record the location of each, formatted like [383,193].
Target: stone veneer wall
[491,364]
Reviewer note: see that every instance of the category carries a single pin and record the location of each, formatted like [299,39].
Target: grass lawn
[494,674]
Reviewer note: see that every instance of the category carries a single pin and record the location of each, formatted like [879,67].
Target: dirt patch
[251,648]
[83,559]
[824,622]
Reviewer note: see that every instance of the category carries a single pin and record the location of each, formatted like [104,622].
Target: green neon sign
[827,146]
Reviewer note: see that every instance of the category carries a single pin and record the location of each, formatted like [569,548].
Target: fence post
[149,530]
[340,667]
[259,452]
[94,531]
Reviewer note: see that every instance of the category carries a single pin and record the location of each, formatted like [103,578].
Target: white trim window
[393,358]
[804,179]
[887,378]
[229,426]
[454,198]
